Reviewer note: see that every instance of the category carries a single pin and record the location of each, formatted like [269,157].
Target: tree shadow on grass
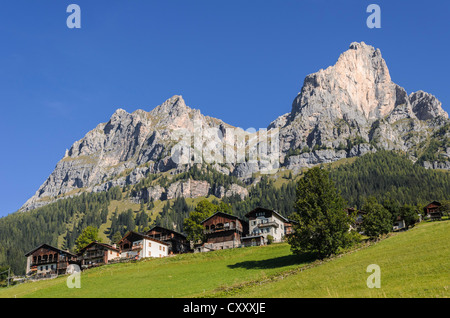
[277,262]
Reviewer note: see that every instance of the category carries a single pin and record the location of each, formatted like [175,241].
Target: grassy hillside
[413,264]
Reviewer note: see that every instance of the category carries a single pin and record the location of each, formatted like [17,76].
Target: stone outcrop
[188,189]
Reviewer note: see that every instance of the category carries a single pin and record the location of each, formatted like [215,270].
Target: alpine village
[359,159]
[221,231]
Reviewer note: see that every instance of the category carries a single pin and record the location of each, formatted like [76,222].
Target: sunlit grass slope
[415,263]
[412,264]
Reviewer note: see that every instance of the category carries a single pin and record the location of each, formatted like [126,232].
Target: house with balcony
[433,211]
[48,261]
[222,231]
[178,243]
[264,222]
[96,254]
[136,246]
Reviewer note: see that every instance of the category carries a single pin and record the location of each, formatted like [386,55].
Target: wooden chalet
[433,210]
[46,261]
[95,254]
[222,231]
[136,246]
[178,243]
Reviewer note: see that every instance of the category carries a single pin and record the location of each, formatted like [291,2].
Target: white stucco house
[136,245]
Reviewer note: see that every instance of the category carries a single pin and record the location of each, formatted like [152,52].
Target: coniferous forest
[387,176]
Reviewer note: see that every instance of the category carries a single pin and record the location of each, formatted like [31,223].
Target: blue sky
[241,61]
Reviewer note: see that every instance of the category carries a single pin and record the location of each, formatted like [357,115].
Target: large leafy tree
[377,220]
[409,214]
[323,224]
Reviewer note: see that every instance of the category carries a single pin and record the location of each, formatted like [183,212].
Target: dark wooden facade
[46,260]
[223,230]
[178,243]
[95,254]
[433,210]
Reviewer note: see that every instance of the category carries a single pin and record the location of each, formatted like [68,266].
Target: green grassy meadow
[413,264]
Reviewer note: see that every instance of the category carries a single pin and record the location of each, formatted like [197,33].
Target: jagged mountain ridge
[346,110]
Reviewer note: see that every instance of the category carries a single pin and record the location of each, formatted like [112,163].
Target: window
[149,244]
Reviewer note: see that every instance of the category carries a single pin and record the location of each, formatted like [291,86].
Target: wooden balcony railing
[267,224]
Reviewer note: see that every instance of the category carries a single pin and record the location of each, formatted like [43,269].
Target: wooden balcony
[268,224]
[94,255]
[222,229]
[136,247]
[44,262]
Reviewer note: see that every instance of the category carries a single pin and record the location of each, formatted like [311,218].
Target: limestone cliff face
[354,107]
[357,87]
[122,151]
[346,110]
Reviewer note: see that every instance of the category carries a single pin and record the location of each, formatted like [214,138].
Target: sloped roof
[141,236]
[50,248]
[98,243]
[258,209]
[163,228]
[434,203]
[224,214]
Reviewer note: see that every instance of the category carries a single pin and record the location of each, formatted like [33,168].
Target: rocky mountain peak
[172,107]
[358,85]
[426,106]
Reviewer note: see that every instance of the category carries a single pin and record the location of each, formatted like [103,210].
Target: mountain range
[343,111]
